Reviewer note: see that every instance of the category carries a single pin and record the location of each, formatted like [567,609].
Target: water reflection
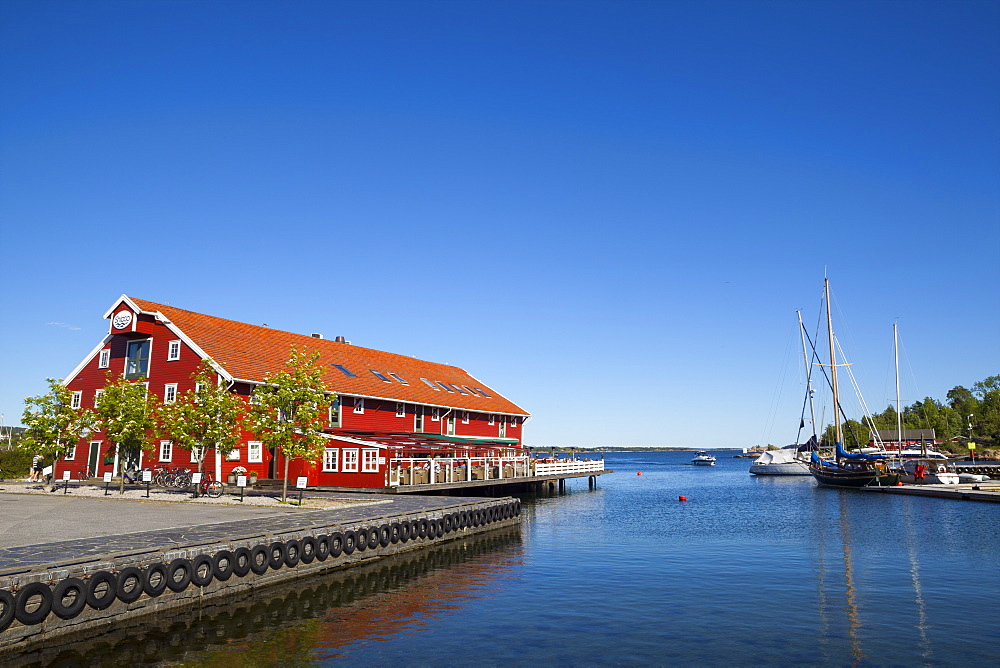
[316,618]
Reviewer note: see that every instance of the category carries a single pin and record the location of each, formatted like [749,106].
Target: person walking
[36,469]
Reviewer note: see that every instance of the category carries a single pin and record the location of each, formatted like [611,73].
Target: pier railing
[424,471]
[571,466]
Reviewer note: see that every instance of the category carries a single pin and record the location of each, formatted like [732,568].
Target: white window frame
[173,350]
[350,460]
[400,409]
[70,451]
[331,457]
[335,407]
[502,431]
[195,452]
[493,419]
[359,405]
[435,415]
[76,400]
[104,358]
[465,417]
[170,393]
[450,425]
[369,460]
[97,395]
[418,419]
[148,358]
[166,451]
[255,452]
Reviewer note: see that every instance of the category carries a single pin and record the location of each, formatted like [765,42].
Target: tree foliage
[203,419]
[285,411]
[52,423]
[125,412]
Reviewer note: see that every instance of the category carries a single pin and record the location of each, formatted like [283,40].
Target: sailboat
[848,470]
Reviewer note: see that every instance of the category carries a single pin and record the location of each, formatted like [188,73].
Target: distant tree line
[965,414]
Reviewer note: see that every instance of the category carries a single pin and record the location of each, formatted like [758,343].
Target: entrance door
[94,458]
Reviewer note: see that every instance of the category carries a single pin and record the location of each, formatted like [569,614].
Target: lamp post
[972,446]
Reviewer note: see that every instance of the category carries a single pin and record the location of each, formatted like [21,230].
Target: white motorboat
[779,462]
[702,458]
[927,472]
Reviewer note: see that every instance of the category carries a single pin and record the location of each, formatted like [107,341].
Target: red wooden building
[396,419]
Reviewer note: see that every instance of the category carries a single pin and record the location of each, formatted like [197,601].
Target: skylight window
[344,369]
[480,391]
[431,385]
[444,386]
[399,379]
[457,388]
[381,376]
[469,389]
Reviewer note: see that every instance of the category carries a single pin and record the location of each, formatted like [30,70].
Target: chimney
[316,336]
[340,339]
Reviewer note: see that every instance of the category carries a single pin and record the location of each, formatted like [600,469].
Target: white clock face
[122,319]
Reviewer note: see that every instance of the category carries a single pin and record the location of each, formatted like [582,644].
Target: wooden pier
[988,491]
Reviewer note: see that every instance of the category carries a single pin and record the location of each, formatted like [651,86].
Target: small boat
[927,472]
[702,458]
[780,462]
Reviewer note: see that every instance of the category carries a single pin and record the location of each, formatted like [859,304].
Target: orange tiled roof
[250,352]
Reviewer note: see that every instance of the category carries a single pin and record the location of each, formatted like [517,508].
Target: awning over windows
[409,444]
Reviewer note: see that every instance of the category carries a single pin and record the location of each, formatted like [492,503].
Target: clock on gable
[122,319]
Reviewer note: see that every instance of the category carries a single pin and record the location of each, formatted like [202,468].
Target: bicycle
[210,487]
[86,474]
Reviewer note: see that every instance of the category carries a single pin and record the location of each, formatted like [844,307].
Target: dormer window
[137,359]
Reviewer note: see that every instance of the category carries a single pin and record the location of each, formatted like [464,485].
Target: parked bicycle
[210,487]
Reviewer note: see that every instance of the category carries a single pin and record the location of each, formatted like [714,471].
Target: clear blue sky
[609,211]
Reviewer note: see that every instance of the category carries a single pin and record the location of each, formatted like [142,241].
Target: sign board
[47,470]
[147,476]
[107,476]
[301,482]
[65,475]
[196,478]
[972,446]
[381,461]
[241,481]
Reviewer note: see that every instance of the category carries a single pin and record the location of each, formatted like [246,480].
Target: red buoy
[682,498]
[639,473]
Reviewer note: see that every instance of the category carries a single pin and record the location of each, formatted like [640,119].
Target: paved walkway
[41,530]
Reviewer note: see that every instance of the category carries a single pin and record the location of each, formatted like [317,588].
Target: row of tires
[33,603]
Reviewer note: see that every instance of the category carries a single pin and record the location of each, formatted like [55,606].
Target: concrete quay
[73,565]
[988,491]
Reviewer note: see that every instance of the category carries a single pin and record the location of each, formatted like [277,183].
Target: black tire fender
[440,529]
[395,533]
[154,580]
[29,592]
[179,574]
[223,565]
[259,560]
[446,520]
[350,541]
[405,528]
[293,553]
[241,562]
[276,555]
[374,537]
[73,589]
[97,600]
[432,529]
[202,568]
[130,583]
[338,544]
[422,525]
[308,552]
[384,535]
[7,603]
[323,547]
[517,506]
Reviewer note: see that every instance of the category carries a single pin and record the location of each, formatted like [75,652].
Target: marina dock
[988,491]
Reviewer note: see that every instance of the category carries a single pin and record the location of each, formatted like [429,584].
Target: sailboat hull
[838,477]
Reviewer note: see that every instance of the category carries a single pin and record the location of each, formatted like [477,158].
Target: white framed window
[450,425]
[350,461]
[465,417]
[170,393]
[196,453]
[97,396]
[513,421]
[369,461]
[330,458]
[76,400]
[104,359]
[70,452]
[400,409]
[418,418]
[359,405]
[436,415]
[334,413]
[173,350]
[503,428]
[137,359]
[493,418]
[255,452]
[233,455]
[166,451]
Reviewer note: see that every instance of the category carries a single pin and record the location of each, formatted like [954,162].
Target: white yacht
[779,462]
[702,458]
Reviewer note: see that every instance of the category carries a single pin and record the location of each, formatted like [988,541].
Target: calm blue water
[748,571]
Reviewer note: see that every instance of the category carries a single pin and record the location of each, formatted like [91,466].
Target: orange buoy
[899,484]
[639,473]
[682,498]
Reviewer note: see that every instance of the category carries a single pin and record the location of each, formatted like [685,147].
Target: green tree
[52,423]
[125,412]
[204,419]
[987,421]
[285,411]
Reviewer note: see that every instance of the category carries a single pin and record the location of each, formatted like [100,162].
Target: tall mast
[805,359]
[899,415]
[837,430]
